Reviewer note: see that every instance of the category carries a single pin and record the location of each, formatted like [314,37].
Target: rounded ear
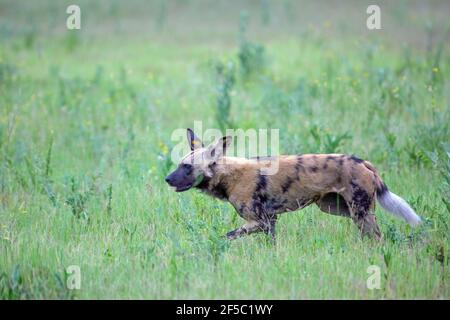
[219,148]
[226,142]
[193,141]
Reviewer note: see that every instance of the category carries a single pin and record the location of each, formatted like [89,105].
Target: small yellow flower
[395,90]
[164,148]
[435,70]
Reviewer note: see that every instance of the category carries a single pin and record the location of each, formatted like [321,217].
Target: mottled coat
[339,184]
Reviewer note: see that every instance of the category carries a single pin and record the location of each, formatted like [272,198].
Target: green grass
[85,127]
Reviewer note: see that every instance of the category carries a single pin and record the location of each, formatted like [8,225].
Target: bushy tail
[392,202]
[397,206]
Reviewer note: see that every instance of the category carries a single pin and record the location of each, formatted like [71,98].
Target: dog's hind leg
[361,205]
[368,226]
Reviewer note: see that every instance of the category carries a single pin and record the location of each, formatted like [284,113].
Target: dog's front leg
[248,228]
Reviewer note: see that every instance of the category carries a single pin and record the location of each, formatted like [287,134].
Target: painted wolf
[338,184]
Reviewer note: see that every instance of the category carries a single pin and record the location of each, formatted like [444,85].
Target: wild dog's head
[198,164]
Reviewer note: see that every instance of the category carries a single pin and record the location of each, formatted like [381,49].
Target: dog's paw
[231,235]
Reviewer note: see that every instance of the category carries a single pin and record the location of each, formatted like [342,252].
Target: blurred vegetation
[86,119]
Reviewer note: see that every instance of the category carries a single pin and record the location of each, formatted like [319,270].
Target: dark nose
[168,179]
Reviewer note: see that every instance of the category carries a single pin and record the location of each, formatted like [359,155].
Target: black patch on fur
[331,158]
[204,185]
[259,196]
[224,145]
[383,189]
[325,166]
[218,190]
[285,187]
[314,169]
[339,179]
[360,199]
[299,166]
[261,184]
[356,159]
[258,204]
[264,205]
[272,205]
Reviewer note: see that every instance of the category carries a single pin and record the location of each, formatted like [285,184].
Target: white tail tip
[398,207]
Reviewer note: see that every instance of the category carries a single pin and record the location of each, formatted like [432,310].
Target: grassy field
[86,119]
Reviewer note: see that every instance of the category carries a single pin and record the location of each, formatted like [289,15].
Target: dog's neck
[225,173]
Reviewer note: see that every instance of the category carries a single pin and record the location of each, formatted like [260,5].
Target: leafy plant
[225,82]
[326,141]
[251,55]
[79,196]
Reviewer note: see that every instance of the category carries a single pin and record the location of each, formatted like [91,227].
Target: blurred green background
[86,118]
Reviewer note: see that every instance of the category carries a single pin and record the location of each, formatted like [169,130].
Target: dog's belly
[272,205]
[297,204]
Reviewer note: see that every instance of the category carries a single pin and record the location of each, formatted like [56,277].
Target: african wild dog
[339,184]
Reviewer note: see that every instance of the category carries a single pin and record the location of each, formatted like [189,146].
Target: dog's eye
[187,168]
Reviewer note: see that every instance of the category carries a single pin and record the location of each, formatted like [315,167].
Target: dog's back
[339,184]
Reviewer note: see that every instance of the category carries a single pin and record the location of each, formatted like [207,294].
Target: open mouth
[183,188]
